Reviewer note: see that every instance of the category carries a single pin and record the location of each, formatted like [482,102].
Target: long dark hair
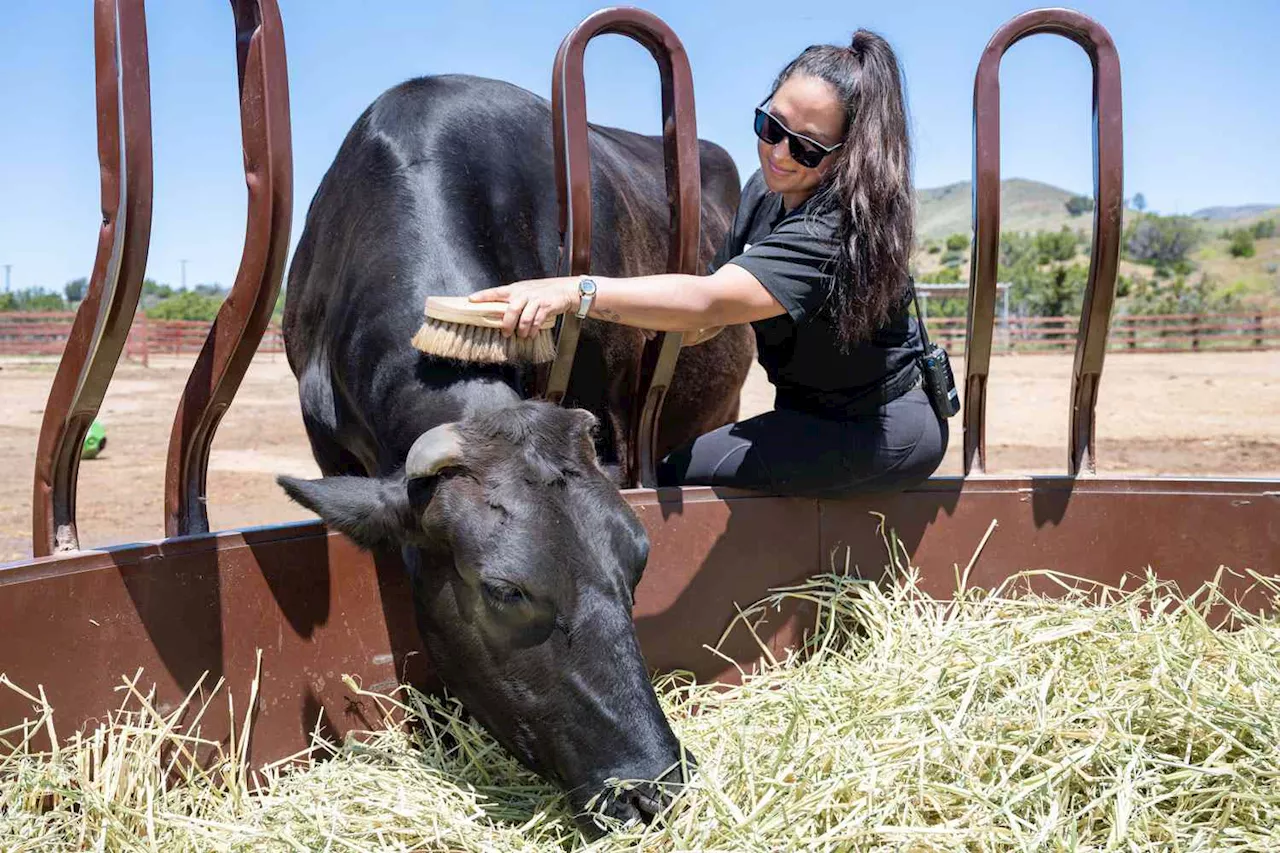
[870,182]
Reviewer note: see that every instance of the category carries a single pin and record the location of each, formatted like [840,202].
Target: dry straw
[1106,720]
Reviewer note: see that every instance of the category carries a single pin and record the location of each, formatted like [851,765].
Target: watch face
[588,287]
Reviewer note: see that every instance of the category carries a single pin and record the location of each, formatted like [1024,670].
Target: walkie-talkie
[935,370]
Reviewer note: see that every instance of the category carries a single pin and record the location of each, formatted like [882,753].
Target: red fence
[46,334]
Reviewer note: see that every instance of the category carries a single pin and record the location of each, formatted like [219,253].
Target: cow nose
[644,801]
[638,804]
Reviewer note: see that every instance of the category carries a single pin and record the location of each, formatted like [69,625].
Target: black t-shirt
[792,255]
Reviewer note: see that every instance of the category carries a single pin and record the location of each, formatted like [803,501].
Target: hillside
[1024,206]
[1034,206]
[1239,211]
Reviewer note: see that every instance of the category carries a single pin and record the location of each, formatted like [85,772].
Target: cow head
[524,558]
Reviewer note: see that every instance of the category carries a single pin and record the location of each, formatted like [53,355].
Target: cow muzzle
[637,802]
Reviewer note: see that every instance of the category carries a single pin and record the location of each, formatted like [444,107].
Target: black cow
[523,554]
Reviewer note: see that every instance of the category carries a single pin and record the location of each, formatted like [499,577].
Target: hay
[1120,720]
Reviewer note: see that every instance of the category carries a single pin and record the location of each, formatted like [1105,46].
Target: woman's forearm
[670,302]
[664,303]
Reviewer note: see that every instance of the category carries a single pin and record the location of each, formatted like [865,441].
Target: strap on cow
[573,186]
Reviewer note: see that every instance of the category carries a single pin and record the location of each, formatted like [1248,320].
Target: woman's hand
[531,303]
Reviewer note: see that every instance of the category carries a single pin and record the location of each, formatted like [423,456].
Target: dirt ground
[1184,413]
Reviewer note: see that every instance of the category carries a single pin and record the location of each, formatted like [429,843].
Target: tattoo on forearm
[612,316]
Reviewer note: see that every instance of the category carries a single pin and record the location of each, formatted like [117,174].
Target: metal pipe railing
[243,317]
[102,323]
[573,187]
[1108,188]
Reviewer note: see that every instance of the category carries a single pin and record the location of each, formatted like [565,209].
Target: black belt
[837,405]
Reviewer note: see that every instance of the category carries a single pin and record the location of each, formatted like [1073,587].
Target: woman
[817,263]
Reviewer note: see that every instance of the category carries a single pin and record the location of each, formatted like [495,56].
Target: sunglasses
[805,151]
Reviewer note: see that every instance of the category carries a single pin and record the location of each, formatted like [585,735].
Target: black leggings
[786,452]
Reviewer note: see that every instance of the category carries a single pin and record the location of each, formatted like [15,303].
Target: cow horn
[435,449]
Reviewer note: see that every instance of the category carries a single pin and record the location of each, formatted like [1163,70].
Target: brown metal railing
[103,321]
[239,326]
[101,325]
[1108,179]
[573,186]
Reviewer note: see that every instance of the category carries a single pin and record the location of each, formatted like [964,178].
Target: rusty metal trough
[75,621]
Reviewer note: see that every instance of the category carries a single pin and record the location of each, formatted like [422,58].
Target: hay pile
[996,722]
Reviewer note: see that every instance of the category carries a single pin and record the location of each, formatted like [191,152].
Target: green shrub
[186,305]
[1078,204]
[957,243]
[1242,244]
[1160,240]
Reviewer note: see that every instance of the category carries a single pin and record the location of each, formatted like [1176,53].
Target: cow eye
[501,594]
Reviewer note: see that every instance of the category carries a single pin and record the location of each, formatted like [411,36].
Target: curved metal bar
[239,326]
[573,186]
[102,322]
[1108,190]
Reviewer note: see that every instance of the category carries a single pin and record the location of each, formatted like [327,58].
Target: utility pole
[184,273]
[7,267]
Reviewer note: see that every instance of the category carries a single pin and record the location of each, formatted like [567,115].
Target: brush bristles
[484,345]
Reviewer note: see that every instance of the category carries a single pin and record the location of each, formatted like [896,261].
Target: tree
[1163,241]
[1264,229]
[957,243]
[76,289]
[1139,202]
[1055,245]
[1079,204]
[1241,243]
[1054,291]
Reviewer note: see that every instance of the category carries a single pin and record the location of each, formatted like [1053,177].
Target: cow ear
[371,511]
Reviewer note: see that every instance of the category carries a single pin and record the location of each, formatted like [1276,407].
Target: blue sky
[1201,97]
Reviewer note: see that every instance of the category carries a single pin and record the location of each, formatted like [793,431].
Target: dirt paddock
[1184,413]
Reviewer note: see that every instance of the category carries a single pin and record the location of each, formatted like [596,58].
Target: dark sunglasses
[805,151]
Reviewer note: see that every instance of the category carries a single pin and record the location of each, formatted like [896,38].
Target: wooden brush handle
[458,309]
[692,339]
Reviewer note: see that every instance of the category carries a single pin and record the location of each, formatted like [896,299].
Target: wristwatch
[586,295]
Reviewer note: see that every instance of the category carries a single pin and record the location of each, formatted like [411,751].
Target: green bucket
[95,442]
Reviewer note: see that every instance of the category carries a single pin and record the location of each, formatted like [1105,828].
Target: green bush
[186,305]
[1179,295]
[932,248]
[1264,229]
[1056,246]
[1162,241]
[33,299]
[1054,291]
[946,275]
[957,243]
[1078,204]
[1241,244]
[952,259]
